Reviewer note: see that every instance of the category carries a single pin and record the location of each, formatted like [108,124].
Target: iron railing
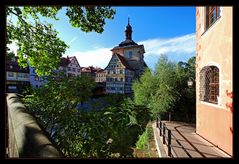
[167,138]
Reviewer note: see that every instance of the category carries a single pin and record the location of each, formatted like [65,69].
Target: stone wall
[26,138]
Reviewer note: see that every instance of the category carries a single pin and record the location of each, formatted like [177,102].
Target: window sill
[211,26]
[210,104]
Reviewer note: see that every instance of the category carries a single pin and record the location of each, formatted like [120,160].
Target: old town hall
[127,64]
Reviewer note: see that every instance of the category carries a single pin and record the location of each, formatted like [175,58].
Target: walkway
[186,143]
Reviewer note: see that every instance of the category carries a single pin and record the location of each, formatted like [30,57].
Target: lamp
[190,82]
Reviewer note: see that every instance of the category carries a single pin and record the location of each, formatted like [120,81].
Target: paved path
[186,143]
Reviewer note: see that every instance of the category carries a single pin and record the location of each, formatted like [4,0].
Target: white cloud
[185,44]
[72,40]
[13,47]
[177,48]
[99,57]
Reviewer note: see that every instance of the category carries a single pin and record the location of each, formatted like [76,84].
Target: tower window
[130,54]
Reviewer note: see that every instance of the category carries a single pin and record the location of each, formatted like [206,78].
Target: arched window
[209,84]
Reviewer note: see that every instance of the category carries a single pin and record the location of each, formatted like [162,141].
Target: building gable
[74,61]
[118,61]
[113,62]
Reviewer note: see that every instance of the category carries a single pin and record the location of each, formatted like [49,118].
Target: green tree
[186,105]
[166,90]
[166,93]
[107,132]
[10,55]
[157,91]
[55,102]
[144,88]
[124,124]
[38,42]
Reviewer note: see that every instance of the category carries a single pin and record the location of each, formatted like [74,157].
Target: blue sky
[162,30]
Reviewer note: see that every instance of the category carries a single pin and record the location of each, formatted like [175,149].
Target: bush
[144,138]
[142,142]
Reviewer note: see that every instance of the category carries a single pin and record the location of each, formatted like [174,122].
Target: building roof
[72,58]
[128,47]
[127,43]
[90,69]
[145,65]
[12,65]
[123,61]
[64,61]
[100,71]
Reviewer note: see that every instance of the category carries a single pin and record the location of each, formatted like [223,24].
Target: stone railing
[26,139]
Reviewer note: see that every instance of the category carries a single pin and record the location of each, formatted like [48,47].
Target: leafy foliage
[107,132]
[128,121]
[10,56]
[145,138]
[144,88]
[142,142]
[166,90]
[38,42]
[58,98]
[84,17]
[166,94]
[185,107]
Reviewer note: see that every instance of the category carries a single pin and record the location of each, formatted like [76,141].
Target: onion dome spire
[128,31]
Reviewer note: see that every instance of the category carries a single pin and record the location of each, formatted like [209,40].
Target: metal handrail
[167,139]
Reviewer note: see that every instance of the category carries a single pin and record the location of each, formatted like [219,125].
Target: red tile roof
[100,70]
[67,60]
[90,69]
[64,61]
